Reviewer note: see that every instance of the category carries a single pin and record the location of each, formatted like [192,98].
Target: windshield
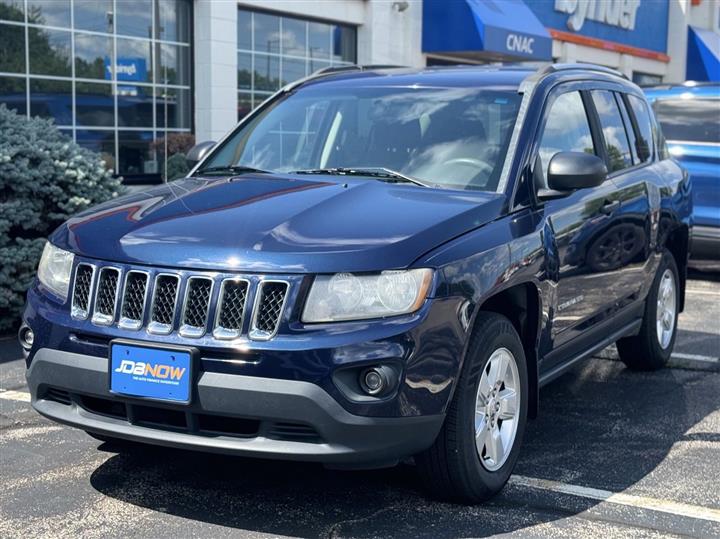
[693,120]
[448,137]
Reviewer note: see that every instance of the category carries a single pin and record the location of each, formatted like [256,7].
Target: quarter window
[616,141]
[567,130]
[643,136]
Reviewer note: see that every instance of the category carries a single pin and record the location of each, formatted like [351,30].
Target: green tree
[44,179]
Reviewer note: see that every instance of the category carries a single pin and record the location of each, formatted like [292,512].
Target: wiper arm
[231,169]
[372,172]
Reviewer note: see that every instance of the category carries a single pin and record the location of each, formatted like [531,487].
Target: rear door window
[617,145]
[692,120]
[642,136]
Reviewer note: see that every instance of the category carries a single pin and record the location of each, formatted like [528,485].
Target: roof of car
[687,90]
[505,76]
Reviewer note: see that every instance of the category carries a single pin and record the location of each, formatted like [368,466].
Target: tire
[452,468]
[651,348]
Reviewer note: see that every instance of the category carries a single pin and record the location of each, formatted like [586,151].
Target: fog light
[27,337]
[376,381]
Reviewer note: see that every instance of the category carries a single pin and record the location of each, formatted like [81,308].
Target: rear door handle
[610,207]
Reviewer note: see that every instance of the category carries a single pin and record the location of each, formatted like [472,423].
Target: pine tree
[44,179]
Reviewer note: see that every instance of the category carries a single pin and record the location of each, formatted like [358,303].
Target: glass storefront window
[93,15]
[174,65]
[51,99]
[135,153]
[134,18]
[12,10]
[135,106]
[174,18]
[93,56]
[172,107]
[49,52]
[12,93]
[12,48]
[127,85]
[94,104]
[274,50]
[245,71]
[49,12]
[134,60]
[266,32]
[319,41]
[100,141]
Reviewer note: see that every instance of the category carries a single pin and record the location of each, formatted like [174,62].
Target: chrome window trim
[102,319]
[129,323]
[220,332]
[76,312]
[157,328]
[259,335]
[187,330]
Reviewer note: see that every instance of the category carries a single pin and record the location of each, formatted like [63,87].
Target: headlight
[346,296]
[54,270]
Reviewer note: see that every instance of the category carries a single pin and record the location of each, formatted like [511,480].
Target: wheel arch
[522,305]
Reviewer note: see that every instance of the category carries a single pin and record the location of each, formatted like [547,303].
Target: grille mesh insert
[106,291]
[81,291]
[134,299]
[197,302]
[233,305]
[270,306]
[163,311]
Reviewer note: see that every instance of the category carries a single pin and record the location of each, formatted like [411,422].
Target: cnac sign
[618,13]
[520,44]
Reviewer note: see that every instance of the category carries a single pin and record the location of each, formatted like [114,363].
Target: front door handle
[610,207]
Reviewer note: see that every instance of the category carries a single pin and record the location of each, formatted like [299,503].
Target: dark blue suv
[376,264]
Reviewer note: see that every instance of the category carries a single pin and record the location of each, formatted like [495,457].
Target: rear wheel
[476,450]
[651,348]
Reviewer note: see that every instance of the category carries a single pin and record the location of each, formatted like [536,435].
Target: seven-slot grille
[166,302]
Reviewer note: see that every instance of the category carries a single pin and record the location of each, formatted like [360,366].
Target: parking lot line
[618,498]
[696,357]
[702,291]
[21,396]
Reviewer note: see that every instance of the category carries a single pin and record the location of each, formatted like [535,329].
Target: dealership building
[139,80]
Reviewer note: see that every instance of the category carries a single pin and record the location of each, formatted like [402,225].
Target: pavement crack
[334,530]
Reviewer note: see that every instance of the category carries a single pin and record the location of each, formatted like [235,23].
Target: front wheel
[650,349]
[476,450]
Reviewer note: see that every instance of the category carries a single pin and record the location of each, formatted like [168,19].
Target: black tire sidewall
[660,353]
[498,334]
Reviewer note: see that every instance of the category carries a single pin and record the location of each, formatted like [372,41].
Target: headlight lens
[346,296]
[55,269]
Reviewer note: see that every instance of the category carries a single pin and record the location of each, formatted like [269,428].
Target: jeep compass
[376,264]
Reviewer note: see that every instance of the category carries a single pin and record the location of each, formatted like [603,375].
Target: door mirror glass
[198,152]
[569,171]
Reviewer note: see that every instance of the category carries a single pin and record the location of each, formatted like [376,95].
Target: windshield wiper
[372,172]
[230,169]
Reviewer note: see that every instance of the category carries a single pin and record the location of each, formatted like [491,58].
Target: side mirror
[198,152]
[570,171]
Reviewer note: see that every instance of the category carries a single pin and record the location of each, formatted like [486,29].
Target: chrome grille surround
[231,308]
[164,302]
[134,299]
[269,306]
[106,296]
[196,306]
[207,306]
[83,286]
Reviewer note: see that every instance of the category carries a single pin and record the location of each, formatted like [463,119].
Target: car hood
[272,223]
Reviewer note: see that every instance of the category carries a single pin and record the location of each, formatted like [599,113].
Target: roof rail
[331,70]
[555,68]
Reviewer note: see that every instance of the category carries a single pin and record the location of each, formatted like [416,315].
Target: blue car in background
[690,118]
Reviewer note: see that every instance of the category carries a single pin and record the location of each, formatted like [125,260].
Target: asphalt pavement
[613,454]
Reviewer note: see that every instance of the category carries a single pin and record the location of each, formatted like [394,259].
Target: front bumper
[236,414]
